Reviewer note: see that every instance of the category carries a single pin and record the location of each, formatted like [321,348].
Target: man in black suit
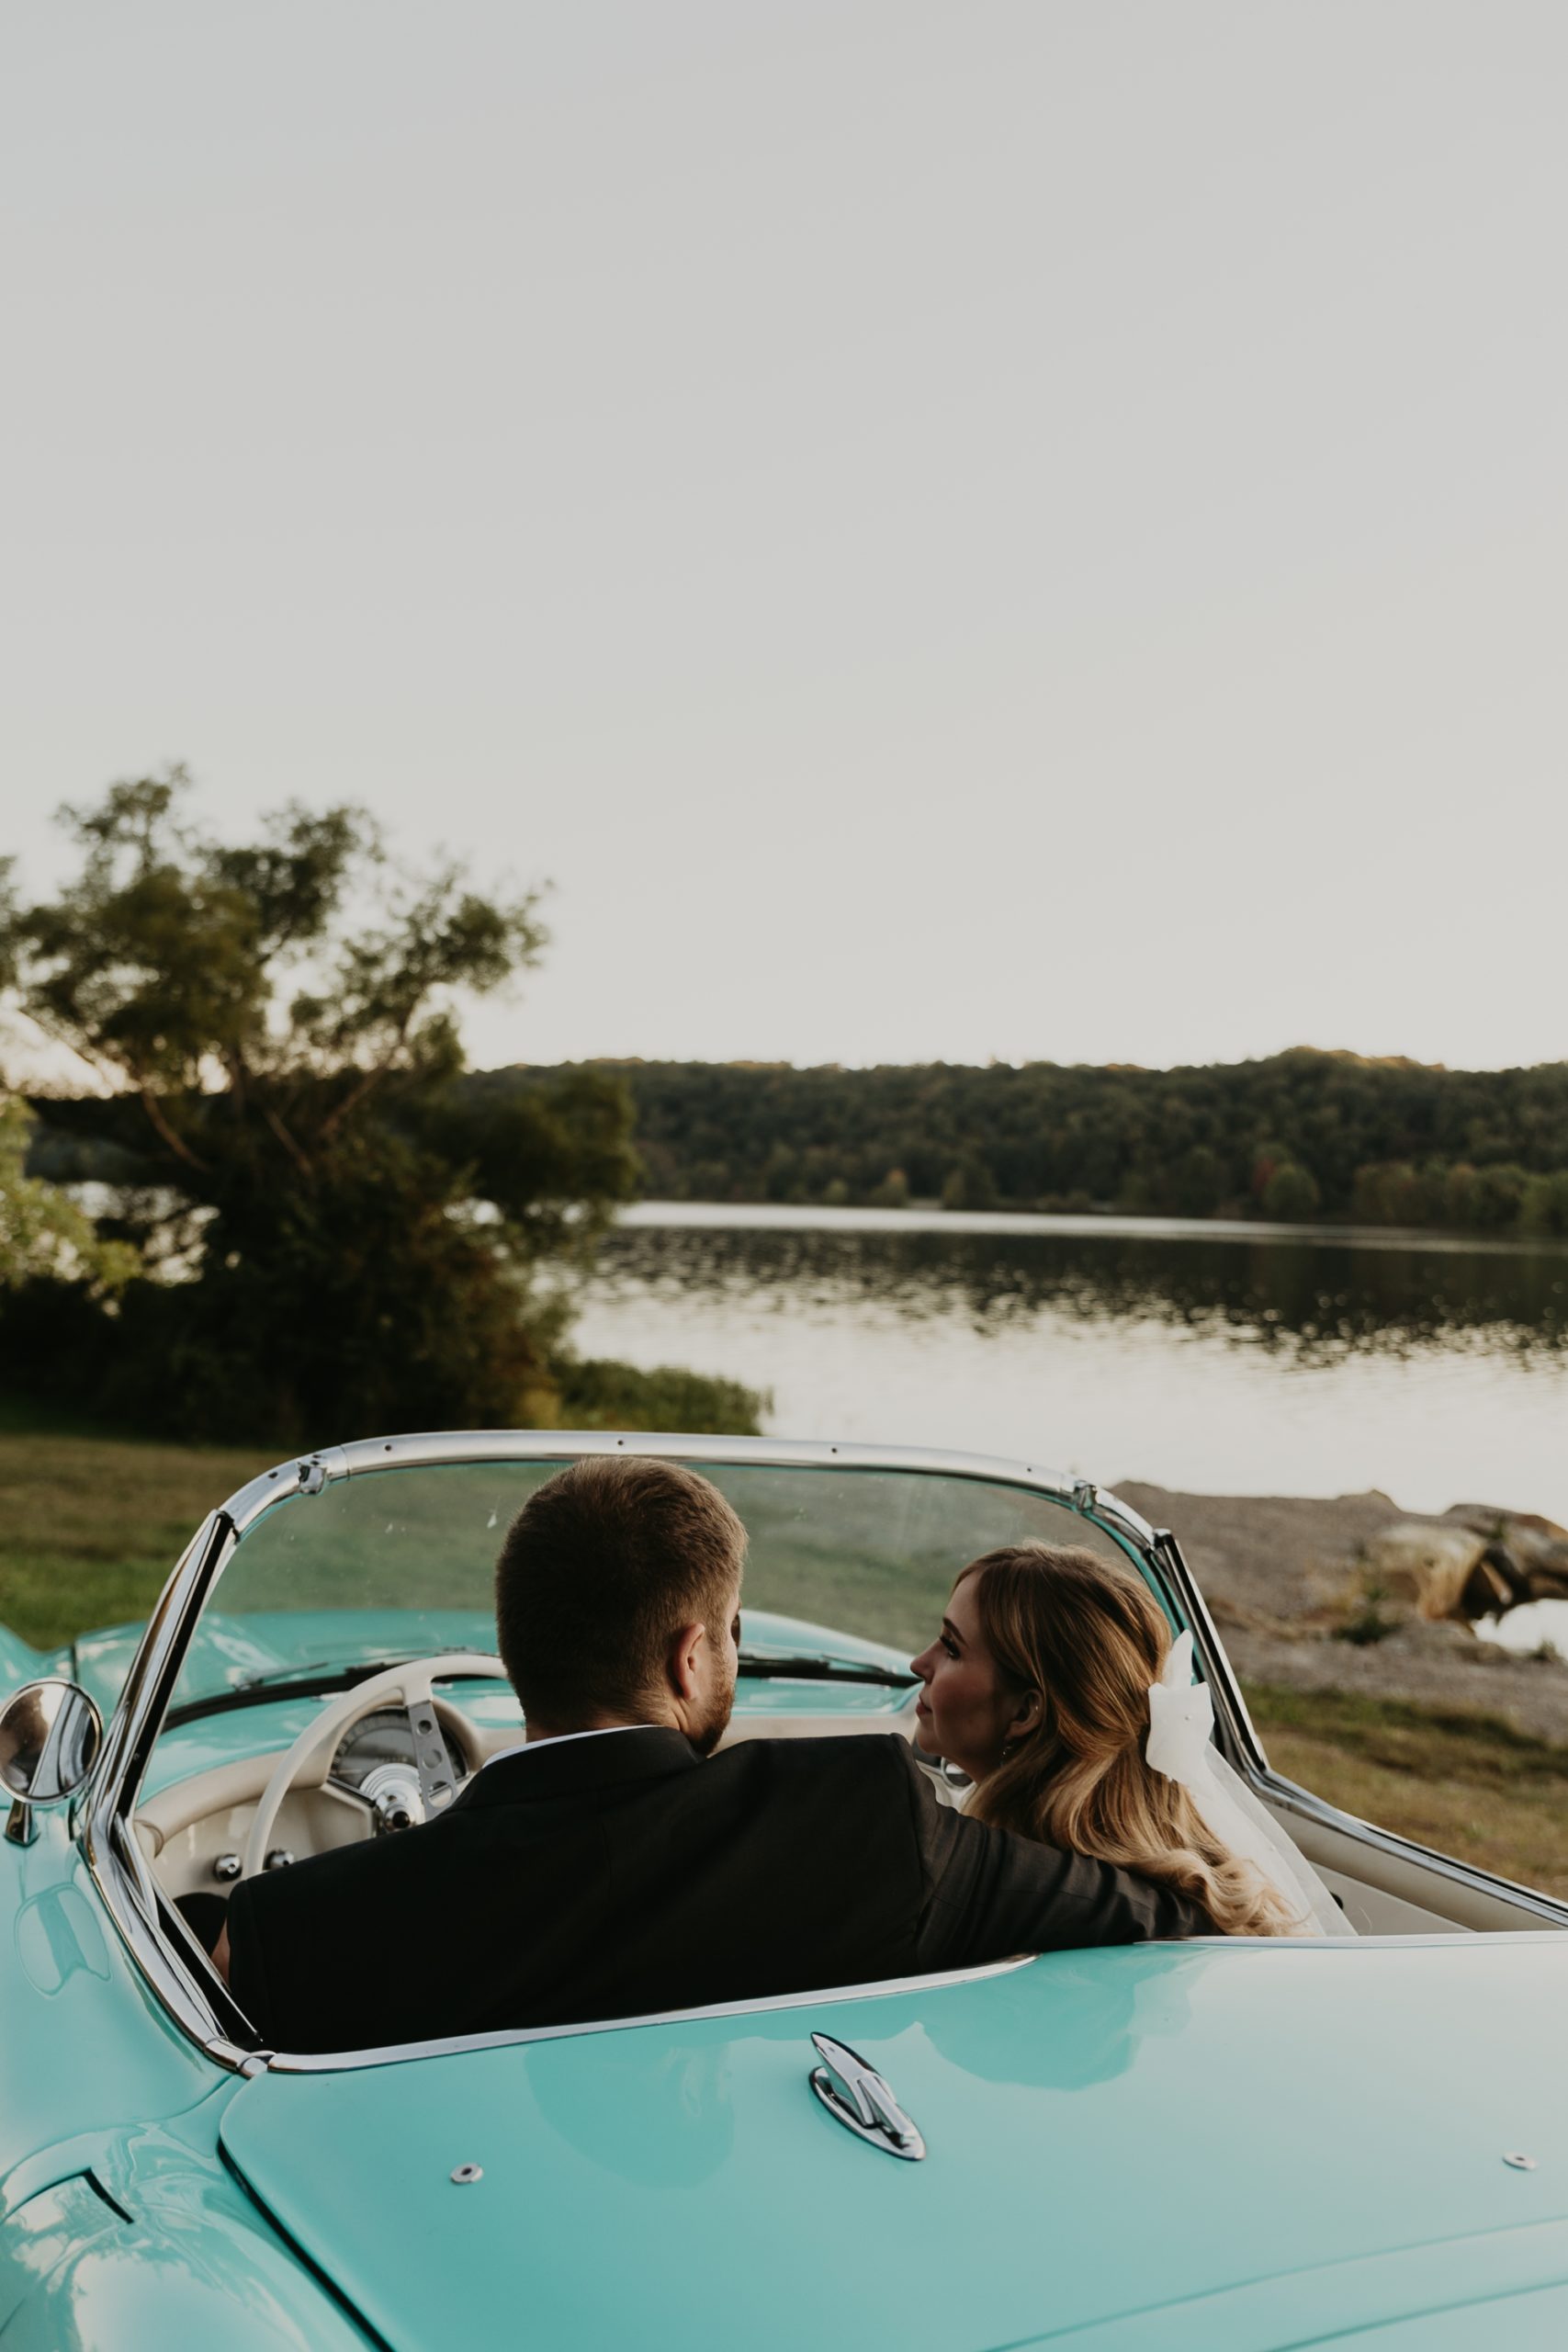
[612,1865]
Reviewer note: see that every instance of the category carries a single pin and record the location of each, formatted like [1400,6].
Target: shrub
[1291,1194]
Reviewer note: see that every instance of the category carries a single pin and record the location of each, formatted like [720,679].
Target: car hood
[1231,2144]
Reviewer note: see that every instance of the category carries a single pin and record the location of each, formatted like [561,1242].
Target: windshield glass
[847,1563]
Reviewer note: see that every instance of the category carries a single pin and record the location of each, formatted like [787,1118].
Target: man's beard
[705,1737]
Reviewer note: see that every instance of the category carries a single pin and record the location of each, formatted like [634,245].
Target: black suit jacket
[618,1876]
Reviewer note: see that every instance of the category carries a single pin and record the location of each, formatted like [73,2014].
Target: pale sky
[1033,530]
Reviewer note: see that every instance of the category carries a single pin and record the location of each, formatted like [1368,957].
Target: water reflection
[1310,1301]
[1223,1363]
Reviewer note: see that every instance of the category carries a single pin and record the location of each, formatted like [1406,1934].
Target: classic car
[1225,2143]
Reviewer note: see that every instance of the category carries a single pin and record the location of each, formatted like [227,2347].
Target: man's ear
[687,1651]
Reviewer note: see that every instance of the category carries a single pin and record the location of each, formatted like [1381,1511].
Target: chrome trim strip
[1243,1748]
[428,1449]
[305,1475]
[344,2062]
[162,1636]
[114,1857]
[1290,1798]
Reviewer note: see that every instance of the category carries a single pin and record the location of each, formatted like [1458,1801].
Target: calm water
[1229,1360]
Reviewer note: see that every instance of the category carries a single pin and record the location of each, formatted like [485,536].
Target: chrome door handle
[856,2096]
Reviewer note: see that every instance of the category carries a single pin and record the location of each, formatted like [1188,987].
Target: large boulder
[1529,1552]
[1442,1568]
[1490,1519]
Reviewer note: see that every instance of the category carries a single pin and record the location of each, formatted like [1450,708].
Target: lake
[1224,1358]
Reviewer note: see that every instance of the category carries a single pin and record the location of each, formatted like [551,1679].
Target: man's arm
[990,1894]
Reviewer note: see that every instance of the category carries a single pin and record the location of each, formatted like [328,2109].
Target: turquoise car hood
[1219,2144]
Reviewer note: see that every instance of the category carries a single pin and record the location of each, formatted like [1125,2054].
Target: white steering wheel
[305,1765]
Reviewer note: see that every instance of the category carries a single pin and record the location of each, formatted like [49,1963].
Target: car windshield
[845,1565]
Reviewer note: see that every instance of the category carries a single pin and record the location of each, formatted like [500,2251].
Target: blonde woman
[1055,1686]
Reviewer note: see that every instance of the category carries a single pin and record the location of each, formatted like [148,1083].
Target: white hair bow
[1181,1717]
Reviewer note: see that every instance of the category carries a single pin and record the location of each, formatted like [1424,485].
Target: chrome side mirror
[49,1736]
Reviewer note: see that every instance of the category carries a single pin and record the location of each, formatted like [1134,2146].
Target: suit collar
[555,1768]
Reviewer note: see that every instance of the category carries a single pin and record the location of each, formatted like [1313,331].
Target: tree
[1194,1140]
[1289,1194]
[1545,1208]
[43,1233]
[1200,1181]
[275,1023]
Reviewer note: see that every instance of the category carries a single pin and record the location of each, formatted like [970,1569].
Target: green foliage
[43,1234]
[1478,1200]
[1289,1194]
[1384,1142]
[1368,1622]
[1388,1192]
[969,1184]
[1544,1205]
[597,1395]
[276,1019]
[1199,1183]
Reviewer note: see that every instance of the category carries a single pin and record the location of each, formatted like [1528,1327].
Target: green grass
[1468,1784]
[92,1519]
[91,1525]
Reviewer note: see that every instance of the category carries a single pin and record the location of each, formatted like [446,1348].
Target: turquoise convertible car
[1222,2143]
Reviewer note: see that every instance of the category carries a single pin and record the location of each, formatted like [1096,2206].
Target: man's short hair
[601,1569]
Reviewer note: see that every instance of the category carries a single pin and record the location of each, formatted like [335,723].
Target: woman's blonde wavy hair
[1090,1639]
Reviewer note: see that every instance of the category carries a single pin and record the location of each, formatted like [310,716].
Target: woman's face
[967,1711]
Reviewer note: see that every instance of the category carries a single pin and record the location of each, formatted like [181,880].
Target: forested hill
[1304,1134]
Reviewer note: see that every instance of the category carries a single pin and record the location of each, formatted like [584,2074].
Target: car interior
[845,1570]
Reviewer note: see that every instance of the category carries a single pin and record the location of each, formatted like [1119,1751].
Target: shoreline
[783,1217]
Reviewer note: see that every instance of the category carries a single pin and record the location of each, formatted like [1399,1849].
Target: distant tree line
[1304,1135]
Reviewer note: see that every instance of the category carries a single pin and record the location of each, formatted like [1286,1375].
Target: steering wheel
[305,1765]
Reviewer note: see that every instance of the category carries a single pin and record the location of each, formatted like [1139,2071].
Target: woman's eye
[951,1648]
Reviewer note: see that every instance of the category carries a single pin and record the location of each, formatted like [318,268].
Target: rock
[1544,1558]
[1505,1575]
[1530,1553]
[1429,1563]
[1489,1519]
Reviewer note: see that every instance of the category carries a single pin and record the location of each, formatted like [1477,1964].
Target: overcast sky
[1024,529]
